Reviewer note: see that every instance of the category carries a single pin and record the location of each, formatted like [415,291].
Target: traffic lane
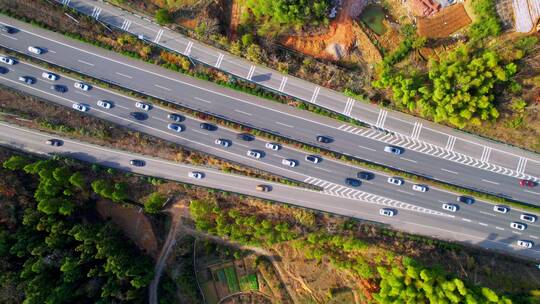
[437,226]
[271,157]
[84,64]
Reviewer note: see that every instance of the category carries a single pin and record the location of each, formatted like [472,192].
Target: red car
[526,183]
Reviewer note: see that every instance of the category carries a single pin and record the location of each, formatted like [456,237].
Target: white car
[7,60]
[80,107]
[175,127]
[501,209]
[196,175]
[142,106]
[528,217]
[386,212]
[35,50]
[525,244]
[289,162]
[393,150]
[450,207]
[81,86]
[104,104]
[518,226]
[49,76]
[272,146]
[395,181]
[253,153]
[420,188]
[222,142]
[313,159]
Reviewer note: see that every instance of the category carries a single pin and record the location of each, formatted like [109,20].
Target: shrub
[163,16]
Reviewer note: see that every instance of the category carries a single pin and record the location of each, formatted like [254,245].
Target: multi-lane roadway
[440,225]
[328,173]
[272,117]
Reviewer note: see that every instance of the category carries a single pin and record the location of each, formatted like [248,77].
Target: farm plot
[444,23]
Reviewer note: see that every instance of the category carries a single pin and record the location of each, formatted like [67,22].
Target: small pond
[373,16]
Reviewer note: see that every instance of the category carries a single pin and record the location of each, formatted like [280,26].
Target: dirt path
[235,19]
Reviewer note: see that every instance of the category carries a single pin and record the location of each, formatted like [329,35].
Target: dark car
[139,115]
[263,188]
[365,175]
[466,199]
[59,88]
[352,182]
[27,79]
[137,162]
[175,117]
[245,137]
[54,142]
[526,183]
[324,139]
[207,126]
[3,70]
[6,29]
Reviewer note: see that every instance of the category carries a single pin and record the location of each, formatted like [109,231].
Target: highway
[259,113]
[413,133]
[328,174]
[441,226]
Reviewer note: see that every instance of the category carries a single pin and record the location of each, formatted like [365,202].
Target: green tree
[16,162]
[163,16]
[78,180]
[154,202]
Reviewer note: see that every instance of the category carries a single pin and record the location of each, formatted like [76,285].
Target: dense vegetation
[54,247]
[289,12]
[487,23]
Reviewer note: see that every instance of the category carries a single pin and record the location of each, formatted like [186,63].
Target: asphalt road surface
[328,174]
[437,225]
[259,113]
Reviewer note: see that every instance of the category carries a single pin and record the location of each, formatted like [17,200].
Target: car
[54,142]
[254,154]
[365,175]
[272,146]
[313,159]
[3,70]
[137,162]
[196,174]
[518,226]
[207,126]
[81,86]
[26,79]
[223,142]
[395,180]
[143,106]
[245,137]
[80,107]
[139,115]
[324,139]
[35,50]
[393,150]
[6,29]
[450,207]
[419,188]
[59,88]
[175,117]
[526,183]
[175,127]
[49,76]
[353,182]
[263,188]
[289,162]
[104,104]
[7,60]
[501,209]
[528,217]
[387,212]
[465,199]
[525,244]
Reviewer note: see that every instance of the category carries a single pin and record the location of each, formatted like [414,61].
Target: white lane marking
[466,220]
[125,25]
[219,60]
[242,145]
[516,232]
[450,143]
[250,73]
[65,2]
[162,87]
[51,51]
[242,112]
[405,192]
[200,132]
[286,125]
[163,120]
[283,83]
[532,192]
[81,93]
[88,63]
[348,107]
[381,118]
[9,36]
[319,168]
[449,171]
[315,94]
[203,100]
[521,164]
[485,154]
[410,160]
[482,224]
[158,36]
[370,149]
[487,213]
[188,48]
[416,130]
[491,182]
[98,11]
[121,107]
[123,75]
[534,237]
[499,228]
[278,156]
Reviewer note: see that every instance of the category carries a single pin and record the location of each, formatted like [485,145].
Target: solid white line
[532,192]
[534,237]
[9,36]
[51,51]
[203,100]
[124,75]
[449,171]
[410,160]
[370,149]
[162,87]
[516,232]
[280,123]
[246,113]
[88,63]
[491,182]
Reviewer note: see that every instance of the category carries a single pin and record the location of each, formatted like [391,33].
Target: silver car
[525,244]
